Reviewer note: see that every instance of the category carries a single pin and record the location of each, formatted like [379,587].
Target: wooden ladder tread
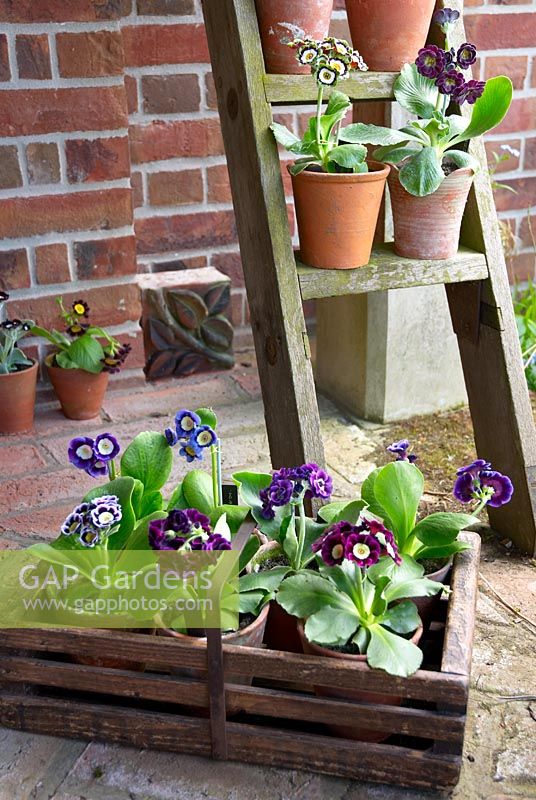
[303,88]
[386,270]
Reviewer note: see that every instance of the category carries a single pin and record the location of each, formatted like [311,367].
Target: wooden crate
[44,692]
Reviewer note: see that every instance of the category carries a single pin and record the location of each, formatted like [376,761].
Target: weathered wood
[459,631]
[295,89]
[216,690]
[261,217]
[386,270]
[498,396]
[274,747]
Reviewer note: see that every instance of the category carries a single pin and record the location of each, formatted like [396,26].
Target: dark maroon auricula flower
[469,92]
[363,549]
[449,82]
[446,16]
[431,61]
[466,55]
[332,544]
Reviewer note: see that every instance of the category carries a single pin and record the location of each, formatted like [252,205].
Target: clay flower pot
[389,34]
[353,695]
[429,227]
[80,393]
[429,606]
[281,21]
[337,215]
[17,400]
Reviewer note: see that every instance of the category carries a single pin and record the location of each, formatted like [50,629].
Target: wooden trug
[43,692]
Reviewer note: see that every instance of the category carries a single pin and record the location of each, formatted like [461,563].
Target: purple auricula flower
[502,486]
[191,452]
[363,549]
[464,487]
[73,524]
[474,468]
[466,55]
[400,450]
[81,452]
[97,468]
[171,437]
[105,515]
[188,521]
[106,447]
[469,92]
[216,542]
[280,492]
[161,537]
[450,81]
[267,509]
[185,423]
[320,483]
[385,537]
[89,537]
[446,16]
[431,61]
[332,544]
[203,436]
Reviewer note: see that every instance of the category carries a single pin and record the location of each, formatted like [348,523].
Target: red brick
[18,459]
[33,111]
[62,11]
[523,198]
[521,267]
[105,257]
[210,89]
[37,490]
[527,231]
[110,305]
[175,188]
[10,174]
[97,159]
[100,210]
[230,264]
[520,117]
[178,139]
[219,188]
[170,94]
[14,272]
[513,66]
[43,162]
[184,232]
[136,357]
[131,87]
[510,163]
[237,309]
[136,181]
[33,57]
[530,154]
[52,263]
[38,522]
[488,31]
[196,262]
[90,55]
[153,45]
[165,7]
[5,71]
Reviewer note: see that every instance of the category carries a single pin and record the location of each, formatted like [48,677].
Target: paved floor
[38,487]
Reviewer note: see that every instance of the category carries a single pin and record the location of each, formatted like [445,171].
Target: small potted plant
[355,608]
[280,21]
[83,358]
[18,376]
[337,193]
[432,170]
[387,33]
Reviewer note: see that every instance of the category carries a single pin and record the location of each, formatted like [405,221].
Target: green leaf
[148,458]
[305,594]
[462,159]
[331,626]
[342,511]
[86,353]
[236,516]
[367,494]
[348,156]
[379,603]
[151,502]
[398,488]
[284,136]
[416,93]
[442,551]
[409,569]
[289,540]
[457,124]
[442,527]
[402,618]
[198,491]
[422,174]
[395,153]
[392,653]
[124,488]
[177,499]
[361,639]
[361,133]
[301,165]
[269,579]
[248,553]
[252,602]
[139,538]
[250,484]
[63,361]
[422,587]
[207,417]
[336,110]
[489,110]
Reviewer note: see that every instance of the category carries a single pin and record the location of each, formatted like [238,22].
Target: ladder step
[303,88]
[386,270]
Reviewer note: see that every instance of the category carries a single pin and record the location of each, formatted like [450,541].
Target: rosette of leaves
[424,146]
[187,330]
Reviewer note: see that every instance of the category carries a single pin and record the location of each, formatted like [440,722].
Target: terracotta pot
[429,606]
[337,215]
[282,630]
[429,227]
[17,400]
[80,393]
[389,33]
[353,695]
[281,21]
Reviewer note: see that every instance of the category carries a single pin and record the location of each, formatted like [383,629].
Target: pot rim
[34,366]
[378,173]
[201,641]
[458,172]
[362,657]
[75,371]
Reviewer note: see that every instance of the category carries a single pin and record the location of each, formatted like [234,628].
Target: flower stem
[360,593]
[215,452]
[301,536]
[319,117]
[111,470]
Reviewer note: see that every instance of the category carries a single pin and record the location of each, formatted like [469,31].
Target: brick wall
[111,159]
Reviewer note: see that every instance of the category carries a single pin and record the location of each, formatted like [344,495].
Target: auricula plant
[12,359]
[428,148]
[331,60]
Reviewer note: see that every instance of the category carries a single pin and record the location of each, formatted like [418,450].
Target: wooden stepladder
[476,281]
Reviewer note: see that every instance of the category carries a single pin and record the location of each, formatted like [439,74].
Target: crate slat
[296,89]
[459,632]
